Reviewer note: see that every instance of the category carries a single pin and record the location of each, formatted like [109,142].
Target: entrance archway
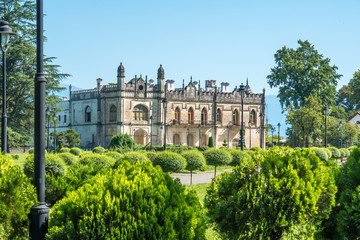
[141,137]
[203,140]
[176,139]
[191,140]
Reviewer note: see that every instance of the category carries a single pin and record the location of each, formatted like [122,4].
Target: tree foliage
[301,73]
[21,68]
[68,138]
[122,141]
[282,194]
[354,85]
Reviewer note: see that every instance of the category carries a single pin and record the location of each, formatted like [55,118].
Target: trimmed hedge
[17,196]
[54,165]
[99,150]
[170,161]
[335,152]
[114,155]
[64,150]
[68,158]
[217,157]
[122,141]
[76,151]
[151,155]
[97,159]
[194,159]
[131,157]
[238,156]
[321,153]
[133,202]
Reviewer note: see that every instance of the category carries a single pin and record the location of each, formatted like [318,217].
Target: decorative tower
[121,77]
[160,78]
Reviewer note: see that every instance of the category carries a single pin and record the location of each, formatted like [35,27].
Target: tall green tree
[21,67]
[345,98]
[301,73]
[354,85]
[306,121]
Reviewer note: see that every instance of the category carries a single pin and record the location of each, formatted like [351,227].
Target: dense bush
[283,194]
[76,151]
[122,141]
[203,148]
[31,150]
[97,159]
[255,148]
[17,196]
[68,158]
[131,157]
[170,161]
[335,152]
[54,165]
[211,142]
[344,152]
[151,155]
[237,156]
[99,150]
[133,202]
[68,138]
[321,153]
[64,150]
[194,159]
[114,155]
[179,148]
[328,152]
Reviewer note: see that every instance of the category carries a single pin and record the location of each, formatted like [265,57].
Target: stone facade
[193,114]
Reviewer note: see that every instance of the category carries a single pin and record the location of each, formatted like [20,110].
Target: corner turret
[121,76]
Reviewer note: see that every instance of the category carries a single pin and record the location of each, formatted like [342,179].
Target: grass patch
[210,233]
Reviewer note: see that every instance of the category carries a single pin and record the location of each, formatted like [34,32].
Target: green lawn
[18,158]
[210,233]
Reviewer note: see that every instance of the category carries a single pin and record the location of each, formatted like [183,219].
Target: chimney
[225,87]
[170,85]
[99,83]
[210,85]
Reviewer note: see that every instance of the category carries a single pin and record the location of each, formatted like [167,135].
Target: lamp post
[272,135]
[261,130]
[228,133]
[242,92]
[326,111]
[279,134]
[187,139]
[199,126]
[165,102]
[5,32]
[39,214]
[250,122]
[130,126]
[151,132]
[340,126]
[48,128]
[55,122]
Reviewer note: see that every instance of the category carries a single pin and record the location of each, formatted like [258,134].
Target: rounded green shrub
[267,199]
[328,152]
[131,157]
[320,153]
[68,158]
[99,150]
[122,141]
[64,150]
[238,156]
[15,156]
[114,155]
[344,152]
[194,159]
[203,148]
[54,165]
[151,155]
[17,196]
[335,152]
[170,161]
[31,150]
[96,159]
[217,157]
[136,201]
[255,148]
[76,151]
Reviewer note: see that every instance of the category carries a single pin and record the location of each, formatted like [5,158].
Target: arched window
[112,113]
[218,116]
[236,117]
[203,116]
[87,114]
[253,116]
[177,115]
[176,139]
[191,115]
[140,113]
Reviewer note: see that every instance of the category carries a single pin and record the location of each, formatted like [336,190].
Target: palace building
[136,107]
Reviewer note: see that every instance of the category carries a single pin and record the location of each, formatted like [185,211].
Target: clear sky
[225,40]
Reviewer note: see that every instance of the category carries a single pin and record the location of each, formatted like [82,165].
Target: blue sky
[223,40]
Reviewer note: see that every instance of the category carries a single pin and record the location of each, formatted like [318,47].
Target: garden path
[197,177]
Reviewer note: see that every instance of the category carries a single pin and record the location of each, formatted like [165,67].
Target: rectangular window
[64,118]
[60,118]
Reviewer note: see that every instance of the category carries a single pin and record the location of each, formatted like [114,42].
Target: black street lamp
[250,122]
[228,133]
[165,102]
[279,134]
[199,126]
[272,135]
[261,130]
[151,132]
[326,111]
[55,123]
[242,92]
[48,110]
[340,127]
[39,214]
[188,137]
[5,32]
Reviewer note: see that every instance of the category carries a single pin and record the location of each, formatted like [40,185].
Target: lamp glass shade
[4,39]
[326,110]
